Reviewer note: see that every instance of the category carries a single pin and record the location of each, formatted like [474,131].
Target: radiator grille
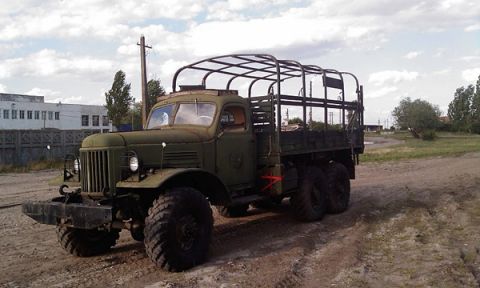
[94,171]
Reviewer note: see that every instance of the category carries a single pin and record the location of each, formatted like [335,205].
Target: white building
[21,112]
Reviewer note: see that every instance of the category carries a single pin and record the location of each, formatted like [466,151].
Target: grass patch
[32,166]
[445,145]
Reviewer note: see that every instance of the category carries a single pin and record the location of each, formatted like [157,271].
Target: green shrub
[429,135]
[475,127]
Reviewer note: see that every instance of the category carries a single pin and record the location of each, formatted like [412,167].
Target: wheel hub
[187,231]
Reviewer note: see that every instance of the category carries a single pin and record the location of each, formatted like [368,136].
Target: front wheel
[178,229]
[84,243]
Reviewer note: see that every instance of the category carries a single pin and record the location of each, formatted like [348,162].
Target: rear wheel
[233,211]
[178,229]
[338,188]
[309,203]
[84,243]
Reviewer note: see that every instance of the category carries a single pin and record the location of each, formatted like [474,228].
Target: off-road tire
[233,211]
[309,203]
[165,235]
[85,243]
[338,195]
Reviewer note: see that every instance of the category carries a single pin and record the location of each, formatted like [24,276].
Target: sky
[69,50]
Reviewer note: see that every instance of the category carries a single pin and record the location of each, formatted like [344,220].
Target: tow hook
[68,194]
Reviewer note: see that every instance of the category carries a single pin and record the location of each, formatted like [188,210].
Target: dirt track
[411,223]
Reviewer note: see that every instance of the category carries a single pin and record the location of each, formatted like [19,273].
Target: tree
[134,116]
[155,90]
[296,120]
[459,110]
[475,109]
[417,116]
[118,99]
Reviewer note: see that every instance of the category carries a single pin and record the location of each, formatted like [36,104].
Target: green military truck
[204,147]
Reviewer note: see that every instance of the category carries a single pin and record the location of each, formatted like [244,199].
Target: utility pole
[144,79]
[133,112]
[310,115]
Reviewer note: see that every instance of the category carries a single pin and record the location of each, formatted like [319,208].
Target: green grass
[445,145]
[33,166]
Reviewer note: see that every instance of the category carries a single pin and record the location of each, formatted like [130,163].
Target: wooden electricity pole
[145,107]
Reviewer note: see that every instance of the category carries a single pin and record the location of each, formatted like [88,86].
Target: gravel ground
[410,223]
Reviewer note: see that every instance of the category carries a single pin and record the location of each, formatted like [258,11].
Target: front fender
[207,183]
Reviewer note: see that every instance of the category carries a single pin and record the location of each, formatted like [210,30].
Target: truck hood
[147,137]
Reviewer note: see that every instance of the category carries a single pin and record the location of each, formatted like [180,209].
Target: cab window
[233,119]
[160,117]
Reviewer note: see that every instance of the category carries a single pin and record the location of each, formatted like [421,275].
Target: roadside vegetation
[446,144]
[33,166]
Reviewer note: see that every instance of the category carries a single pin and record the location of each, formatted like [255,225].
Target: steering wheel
[205,119]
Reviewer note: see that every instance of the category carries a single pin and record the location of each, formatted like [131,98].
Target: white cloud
[270,33]
[70,100]
[413,54]
[473,27]
[470,58]
[391,76]
[53,96]
[471,75]
[384,91]
[49,62]
[439,52]
[42,92]
[92,17]
[3,88]
[441,72]
[221,11]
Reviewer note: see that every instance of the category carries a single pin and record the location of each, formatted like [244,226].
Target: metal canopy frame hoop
[265,67]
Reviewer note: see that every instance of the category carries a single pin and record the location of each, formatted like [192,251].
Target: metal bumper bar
[76,215]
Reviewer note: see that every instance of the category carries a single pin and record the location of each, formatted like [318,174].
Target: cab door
[235,143]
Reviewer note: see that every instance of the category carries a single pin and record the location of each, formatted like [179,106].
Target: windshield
[195,113]
[160,116]
[200,114]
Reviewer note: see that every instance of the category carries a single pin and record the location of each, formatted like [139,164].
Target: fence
[19,147]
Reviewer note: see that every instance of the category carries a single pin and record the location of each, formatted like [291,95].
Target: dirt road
[411,223]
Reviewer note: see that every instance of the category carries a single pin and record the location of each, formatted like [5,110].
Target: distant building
[373,128]
[24,112]
[444,119]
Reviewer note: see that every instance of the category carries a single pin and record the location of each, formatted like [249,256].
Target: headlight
[133,163]
[76,166]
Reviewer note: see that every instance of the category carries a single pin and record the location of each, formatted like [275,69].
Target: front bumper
[78,215]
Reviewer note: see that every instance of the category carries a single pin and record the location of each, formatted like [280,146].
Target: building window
[22,114]
[29,114]
[44,115]
[105,130]
[95,120]
[14,114]
[57,115]
[6,114]
[84,120]
[50,115]
[37,115]
[105,120]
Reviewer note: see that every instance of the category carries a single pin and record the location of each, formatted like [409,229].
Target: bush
[429,135]
[446,127]
[476,127]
